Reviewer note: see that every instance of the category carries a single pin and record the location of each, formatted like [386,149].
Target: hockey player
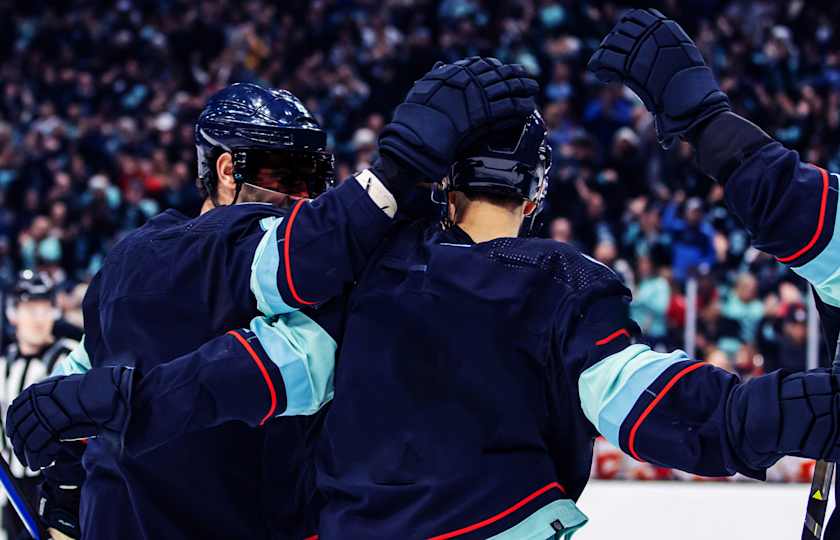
[176,283]
[501,415]
[788,206]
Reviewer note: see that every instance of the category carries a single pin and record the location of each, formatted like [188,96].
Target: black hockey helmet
[275,142]
[32,285]
[510,162]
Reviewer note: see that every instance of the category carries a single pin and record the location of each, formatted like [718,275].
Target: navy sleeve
[790,210]
[313,253]
[664,408]
[276,367]
[230,378]
[326,243]
[788,207]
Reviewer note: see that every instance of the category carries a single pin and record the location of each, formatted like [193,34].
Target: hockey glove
[59,493]
[58,508]
[785,414]
[655,58]
[451,105]
[69,408]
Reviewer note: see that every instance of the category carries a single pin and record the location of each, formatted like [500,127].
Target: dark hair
[208,187]
[497,199]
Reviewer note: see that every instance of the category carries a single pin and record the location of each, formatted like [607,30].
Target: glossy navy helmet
[513,162]
[274,141]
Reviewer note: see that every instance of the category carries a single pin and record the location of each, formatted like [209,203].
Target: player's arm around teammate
[300,260]
[321,247]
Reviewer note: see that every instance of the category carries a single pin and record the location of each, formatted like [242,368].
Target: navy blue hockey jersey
[495,364]
[473,379]
[175,284]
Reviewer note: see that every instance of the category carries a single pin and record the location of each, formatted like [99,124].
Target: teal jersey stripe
[264,269]
[610,388]
[77,361]
[538,526]
[830,295]
[305,354]
[823,271]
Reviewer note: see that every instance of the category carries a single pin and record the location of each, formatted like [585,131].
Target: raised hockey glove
[655,58]
[785,414]
[453,104]
[69,408]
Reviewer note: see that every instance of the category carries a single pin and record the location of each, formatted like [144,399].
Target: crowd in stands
[98,100]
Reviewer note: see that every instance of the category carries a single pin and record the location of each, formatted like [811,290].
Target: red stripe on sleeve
[631,443]
[286,256]
[615,335]
[264,372]
[500,515]
[820,222]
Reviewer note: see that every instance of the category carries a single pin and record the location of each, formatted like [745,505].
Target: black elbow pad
[725,142]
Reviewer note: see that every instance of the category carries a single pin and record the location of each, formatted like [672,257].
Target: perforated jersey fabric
[566,264]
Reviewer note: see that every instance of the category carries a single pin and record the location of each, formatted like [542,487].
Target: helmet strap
[441,189]
[236,193]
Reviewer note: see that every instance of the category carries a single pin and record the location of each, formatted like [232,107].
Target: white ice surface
[693,511]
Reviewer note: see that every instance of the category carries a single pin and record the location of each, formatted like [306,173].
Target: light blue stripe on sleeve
[823,271]
[610,388]
[77,361]
[264,270]
[830,294]
[305,354]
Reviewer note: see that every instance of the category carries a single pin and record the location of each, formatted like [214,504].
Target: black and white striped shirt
[17,371]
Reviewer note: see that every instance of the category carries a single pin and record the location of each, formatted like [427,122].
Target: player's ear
[224,170]
[452,206]
[226,185]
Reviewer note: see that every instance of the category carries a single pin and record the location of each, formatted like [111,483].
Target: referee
[32,312]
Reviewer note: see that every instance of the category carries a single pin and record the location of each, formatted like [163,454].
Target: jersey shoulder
[220,224]
[563,263]
[234,218]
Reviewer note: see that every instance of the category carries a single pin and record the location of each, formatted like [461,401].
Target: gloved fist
[453,104]
[655,58]
[59,493]
[58,508]
[810,414]
[68,408]
[783,413]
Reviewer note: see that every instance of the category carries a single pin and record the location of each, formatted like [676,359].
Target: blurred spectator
[742,305]
[651,299]
[561,230]
[782,340]
[693,239]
